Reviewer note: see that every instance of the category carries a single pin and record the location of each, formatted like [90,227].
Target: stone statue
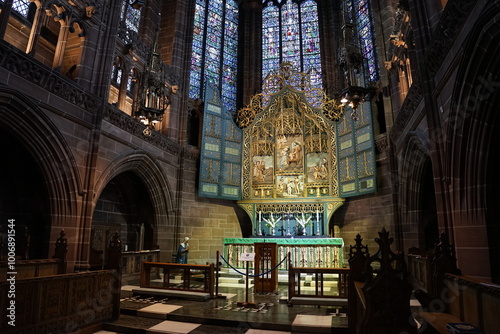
[183,251]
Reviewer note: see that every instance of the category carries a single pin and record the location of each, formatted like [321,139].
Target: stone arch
[472,129]
[24,121]
[415,177]
[153,177]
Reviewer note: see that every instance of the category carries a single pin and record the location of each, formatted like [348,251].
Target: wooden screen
[265,261]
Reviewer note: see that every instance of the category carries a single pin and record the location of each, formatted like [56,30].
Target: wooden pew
[455,298]
[29,268]
[381,291]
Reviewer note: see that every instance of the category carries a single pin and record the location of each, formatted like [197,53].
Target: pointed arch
[472,133]
[142,164]
[26,122]
[415,175]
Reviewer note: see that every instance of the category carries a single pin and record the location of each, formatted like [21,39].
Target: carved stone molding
[381,142]
[30,69]
[453,18]
[415,95]
[129,124]
[191,154]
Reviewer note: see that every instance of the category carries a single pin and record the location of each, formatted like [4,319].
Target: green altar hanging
[304,252]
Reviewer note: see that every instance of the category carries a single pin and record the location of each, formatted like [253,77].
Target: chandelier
[153,94]
[353,66]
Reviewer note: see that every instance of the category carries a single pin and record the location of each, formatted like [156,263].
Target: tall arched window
[214,49]
[291,33]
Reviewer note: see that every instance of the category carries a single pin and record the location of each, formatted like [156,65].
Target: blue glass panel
[366,38]
[132,18]
[290,34]
[21,6]
[215,43]
[229,70]
[310,41]
[283,42]
[197,50]
[270,39]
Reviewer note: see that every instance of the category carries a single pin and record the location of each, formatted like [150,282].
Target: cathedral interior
[300,123]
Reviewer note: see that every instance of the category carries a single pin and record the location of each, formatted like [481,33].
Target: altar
[313,252]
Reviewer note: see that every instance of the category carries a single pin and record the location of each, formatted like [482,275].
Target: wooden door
[265,261]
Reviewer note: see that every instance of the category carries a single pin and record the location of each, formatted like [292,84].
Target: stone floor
[142,314]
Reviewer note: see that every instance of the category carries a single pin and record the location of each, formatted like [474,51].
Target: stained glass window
[291,33]
[270,39]
[214,49]
[116,74]
[131,16]
[364,24]
[21,6]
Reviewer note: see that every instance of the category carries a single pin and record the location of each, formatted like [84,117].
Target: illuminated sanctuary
[202,130]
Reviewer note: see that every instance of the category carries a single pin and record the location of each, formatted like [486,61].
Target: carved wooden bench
[467,300]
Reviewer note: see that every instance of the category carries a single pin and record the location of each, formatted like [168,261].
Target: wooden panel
[62,303]
[490,308]
[470,304]
[439,320]
[265,261]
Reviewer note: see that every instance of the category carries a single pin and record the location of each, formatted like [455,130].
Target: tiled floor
[174,327]
[224,315]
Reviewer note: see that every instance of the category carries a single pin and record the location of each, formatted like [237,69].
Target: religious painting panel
[263,170]
[289,154]
[317,168]
[290,186]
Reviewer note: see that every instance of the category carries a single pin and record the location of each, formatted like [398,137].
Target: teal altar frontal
[307,252]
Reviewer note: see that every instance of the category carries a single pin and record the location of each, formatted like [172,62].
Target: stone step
[230,279]
[325,283]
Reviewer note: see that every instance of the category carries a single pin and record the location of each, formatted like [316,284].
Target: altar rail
[62,303]
[175,276]
[304,252]
[331,283]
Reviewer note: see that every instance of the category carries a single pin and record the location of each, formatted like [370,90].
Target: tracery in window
[364,24]
[21,6]
[131,16]
[214,49]
[116,73]
[291,33]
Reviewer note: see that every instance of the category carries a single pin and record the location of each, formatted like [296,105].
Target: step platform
[179,294]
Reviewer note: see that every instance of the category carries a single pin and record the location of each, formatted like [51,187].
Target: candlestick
[260,221]
[318,225]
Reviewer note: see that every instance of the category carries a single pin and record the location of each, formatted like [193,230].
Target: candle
[260,216]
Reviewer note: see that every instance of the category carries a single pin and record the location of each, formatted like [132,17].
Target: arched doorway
[124,207]
[24,198]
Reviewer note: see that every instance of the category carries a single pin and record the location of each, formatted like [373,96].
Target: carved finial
[385,260]
[358,248]
[61,246]
[384,241]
